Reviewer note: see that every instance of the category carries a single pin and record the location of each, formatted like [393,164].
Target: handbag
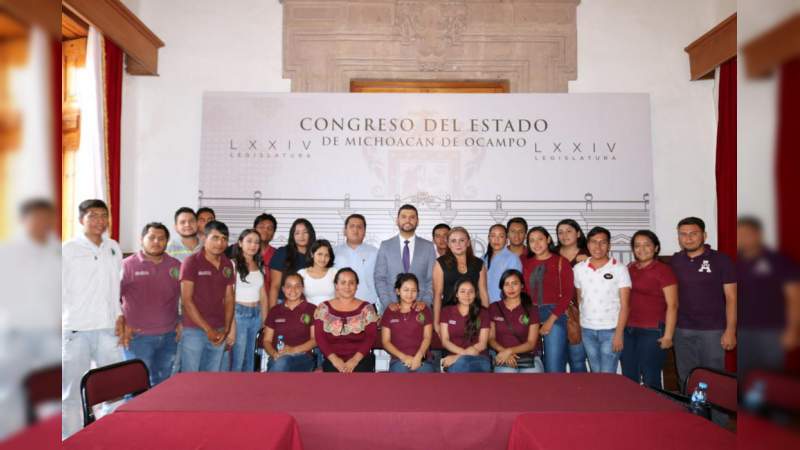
[525,361]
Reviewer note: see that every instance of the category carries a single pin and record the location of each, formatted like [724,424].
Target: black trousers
[367,364]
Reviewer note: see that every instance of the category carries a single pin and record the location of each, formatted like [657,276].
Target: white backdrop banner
[462,159]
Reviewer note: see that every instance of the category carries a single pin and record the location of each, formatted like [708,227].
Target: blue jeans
[470,363]
[297,362]
[642,356]
[598,348]
[158,353]
[198,354]
[397,366]
[577,358]
[248,324]
[555,343]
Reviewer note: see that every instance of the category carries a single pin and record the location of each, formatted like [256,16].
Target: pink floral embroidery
[341,326]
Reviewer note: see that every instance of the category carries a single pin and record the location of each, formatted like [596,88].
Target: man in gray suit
[405,252]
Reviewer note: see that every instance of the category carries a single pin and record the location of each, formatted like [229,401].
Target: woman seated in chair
[464,328]
[289,331]
[515,328]
[346,328]
[405,332]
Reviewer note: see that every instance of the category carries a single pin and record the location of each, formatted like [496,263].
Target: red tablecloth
[755,433]
[337,411]
[618,430]
[43,435]
[217,430]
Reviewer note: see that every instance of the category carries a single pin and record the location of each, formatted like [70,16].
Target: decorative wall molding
[530,43]
[712,49]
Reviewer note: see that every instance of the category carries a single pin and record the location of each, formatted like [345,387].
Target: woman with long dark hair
[464,328]
[289,330]
[292,257]
[458,261]
[572,246]
[318,276]
[514,332]
[498,259]
[251,300]
[405,332]
[548,280]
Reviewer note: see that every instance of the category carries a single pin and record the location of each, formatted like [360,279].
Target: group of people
[533,303]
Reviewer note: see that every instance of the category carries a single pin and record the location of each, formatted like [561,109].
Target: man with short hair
[207,281]
[405,253]
[187,241]
[91,317]
[440,238]
[603,288]
[707,295]
[357,255]
[150,290]
[517,229]
[204,215]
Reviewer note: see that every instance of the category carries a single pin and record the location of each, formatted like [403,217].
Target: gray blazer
[390,263]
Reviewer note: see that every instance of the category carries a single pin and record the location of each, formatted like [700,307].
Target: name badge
[451,322]
[394,321]
[140,273]
[281,320]
[204,273]
[499,319]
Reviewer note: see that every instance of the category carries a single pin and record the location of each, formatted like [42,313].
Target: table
[45,434]
[402,411]
[618,430]
[157,430]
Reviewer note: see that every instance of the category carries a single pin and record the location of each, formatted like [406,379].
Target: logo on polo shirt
[478,322]
[306,319]
[140,273]
[705,266]
[174,272]
[421,317]
[524,319]
[227,272]
[608,276]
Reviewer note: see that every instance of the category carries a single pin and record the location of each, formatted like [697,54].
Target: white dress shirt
[90,284]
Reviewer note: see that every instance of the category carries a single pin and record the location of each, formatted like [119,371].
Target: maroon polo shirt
[408,329]
[648,303]
[293,324]
[519,320]
[150,293]
[209,287]
[700,293]
[457,324]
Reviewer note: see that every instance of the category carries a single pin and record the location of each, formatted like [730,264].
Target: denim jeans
[598,348]
[397,366]
[538,367]
[158,353]
[642,356]
[80,351]
[577,358]
[555,343]
[198,354]
[470,363]
[297,362]
[248,323]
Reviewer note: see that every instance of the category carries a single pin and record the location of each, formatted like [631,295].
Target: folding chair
[41,386]
[722,388]
[112,382]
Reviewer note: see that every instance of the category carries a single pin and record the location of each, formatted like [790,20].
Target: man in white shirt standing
[91,316]
[357,255]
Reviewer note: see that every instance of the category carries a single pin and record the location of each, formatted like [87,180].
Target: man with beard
[517,230]
[405,253]
[440,238]
[188,241]
[707,301]
[150,290]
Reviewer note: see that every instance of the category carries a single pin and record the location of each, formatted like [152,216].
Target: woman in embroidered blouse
[346,327]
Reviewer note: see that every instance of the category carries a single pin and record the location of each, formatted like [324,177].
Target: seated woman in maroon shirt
[405,332]
[289,325]
[514,329]
[345,328]
[464,328]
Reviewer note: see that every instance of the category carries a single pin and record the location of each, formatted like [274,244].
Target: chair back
[41,386]
[722,386]
[112,382]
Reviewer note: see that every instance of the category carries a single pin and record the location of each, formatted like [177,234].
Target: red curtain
[113,88]
[787,160]
[726,170]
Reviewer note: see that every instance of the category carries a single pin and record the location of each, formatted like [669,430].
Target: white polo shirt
[600,302]
[90,284]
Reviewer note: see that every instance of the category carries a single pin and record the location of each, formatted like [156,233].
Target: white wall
[210,45]
[637,46]
[623,46]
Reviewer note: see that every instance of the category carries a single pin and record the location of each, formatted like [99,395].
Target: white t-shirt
[248,292]
[317,290]
[600,302]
